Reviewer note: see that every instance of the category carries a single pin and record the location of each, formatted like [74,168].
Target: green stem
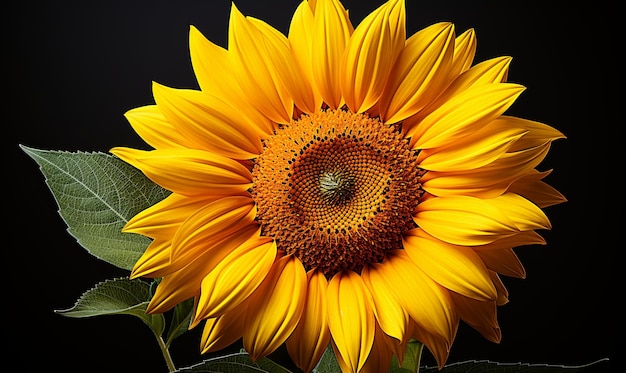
[166,354]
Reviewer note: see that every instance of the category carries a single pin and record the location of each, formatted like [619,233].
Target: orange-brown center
[336,189]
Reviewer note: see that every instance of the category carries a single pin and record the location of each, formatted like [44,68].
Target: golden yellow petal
[464,114]
[419,73]
[351,318]
[300,38]
[480,315]
[331,32]
[380,357]
[537,133]
[211,65]
[155,130]
[309,340]
[481,183]
[171,291]
[503,261]
[427,303]
[392,317]
[283,65]
[488,181]
[370,55]
[437,345]
[519,239]
[455,267]
[531,186]
[213,68]
[278,303]
[464,52]
[217,126]
[525,214]
[473,151]
[156,257]
[503,293]
[235,277]
[212,223]
[188,271]
[254,68]
[463,220]
[487,72]
[222,331]
[165,217]
[189,172]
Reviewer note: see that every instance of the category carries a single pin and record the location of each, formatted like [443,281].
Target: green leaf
[181,318]
[235,363]
[411,361]
[97,194]
[328,363]
[120,296]
[494,367]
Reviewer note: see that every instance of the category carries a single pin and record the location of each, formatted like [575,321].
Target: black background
[74,67]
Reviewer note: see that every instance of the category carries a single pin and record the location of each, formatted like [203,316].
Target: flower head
[340,185]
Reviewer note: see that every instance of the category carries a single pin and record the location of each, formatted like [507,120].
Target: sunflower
[339,185]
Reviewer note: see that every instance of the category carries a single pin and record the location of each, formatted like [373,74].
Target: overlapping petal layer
[478,192]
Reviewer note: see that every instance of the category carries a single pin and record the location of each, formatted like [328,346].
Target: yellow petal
[165,217]
[283,65]
[480,315]
[427,303]
[537,133]
[530,186]
[213,68]
[331,32]
[519,239]
[463,114]
[380,357]
[212,223]
[369,56]
[235,277]
[437,345]
[351,318]
[189,172]
[300,38]
[183,277]
[222,331]
[214,123]
[503,294]
[309,340]
[503,261]
[278,303]
[463,220]
[156,257]
[457,268]
[420,70]
[473,151]
[487,72]
[464,52]
[392,317]
[469,221]
[254,68]
[488,181]
[211,65]
[525,214]
[155,130]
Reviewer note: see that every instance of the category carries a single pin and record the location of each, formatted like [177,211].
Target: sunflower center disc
[336,189]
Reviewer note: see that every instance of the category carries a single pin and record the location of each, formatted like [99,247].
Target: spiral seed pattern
[336,189]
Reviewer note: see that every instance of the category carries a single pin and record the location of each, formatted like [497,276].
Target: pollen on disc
[336,189]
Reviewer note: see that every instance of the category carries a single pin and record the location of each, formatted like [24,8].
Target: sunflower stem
[166,354]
